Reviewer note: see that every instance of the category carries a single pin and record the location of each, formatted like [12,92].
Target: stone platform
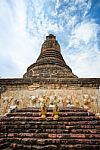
[76,129]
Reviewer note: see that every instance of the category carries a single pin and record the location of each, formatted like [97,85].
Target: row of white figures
[37,102]
[40,102]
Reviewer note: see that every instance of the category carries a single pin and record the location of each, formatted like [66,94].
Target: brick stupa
[50,63]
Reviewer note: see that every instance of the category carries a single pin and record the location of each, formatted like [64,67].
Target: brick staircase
[76,129]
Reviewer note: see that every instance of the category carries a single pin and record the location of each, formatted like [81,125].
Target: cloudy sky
[25,23]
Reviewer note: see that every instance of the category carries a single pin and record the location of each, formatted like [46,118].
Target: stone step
[68,129]
[58,129]
[74,136]
[15,146]
[65,114]
[79,118]
[35,131]
[52,125]
[81,141]
[31,123]
[30,142]
[78,123]
[53,131]
[67,118]
[82,126]
[59,141]
[37,114]
[28,135]
[66,109]
[89,131]
[79,147]
[23,114]
[52,135]
[48,141]
[35,126]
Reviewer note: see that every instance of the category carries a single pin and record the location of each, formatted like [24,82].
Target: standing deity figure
[43,107]
[86,102]
[56,107]
[34,101]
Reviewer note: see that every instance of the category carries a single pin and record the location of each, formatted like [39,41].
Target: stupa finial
[50,43]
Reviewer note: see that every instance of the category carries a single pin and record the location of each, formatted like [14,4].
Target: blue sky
[25,23]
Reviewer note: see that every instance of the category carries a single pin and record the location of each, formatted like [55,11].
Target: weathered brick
[58,134]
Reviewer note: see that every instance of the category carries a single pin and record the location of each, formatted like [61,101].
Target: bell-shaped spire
[50,63]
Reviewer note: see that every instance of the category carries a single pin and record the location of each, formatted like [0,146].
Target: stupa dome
[50,63]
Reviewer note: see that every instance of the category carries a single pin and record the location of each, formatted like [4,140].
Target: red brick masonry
[76,129]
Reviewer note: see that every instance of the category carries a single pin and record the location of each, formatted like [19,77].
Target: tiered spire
[50,63]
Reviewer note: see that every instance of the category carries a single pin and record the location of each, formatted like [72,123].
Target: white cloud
[86,64]
[83,49]
[16,45]
[57,4]
[86,31]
